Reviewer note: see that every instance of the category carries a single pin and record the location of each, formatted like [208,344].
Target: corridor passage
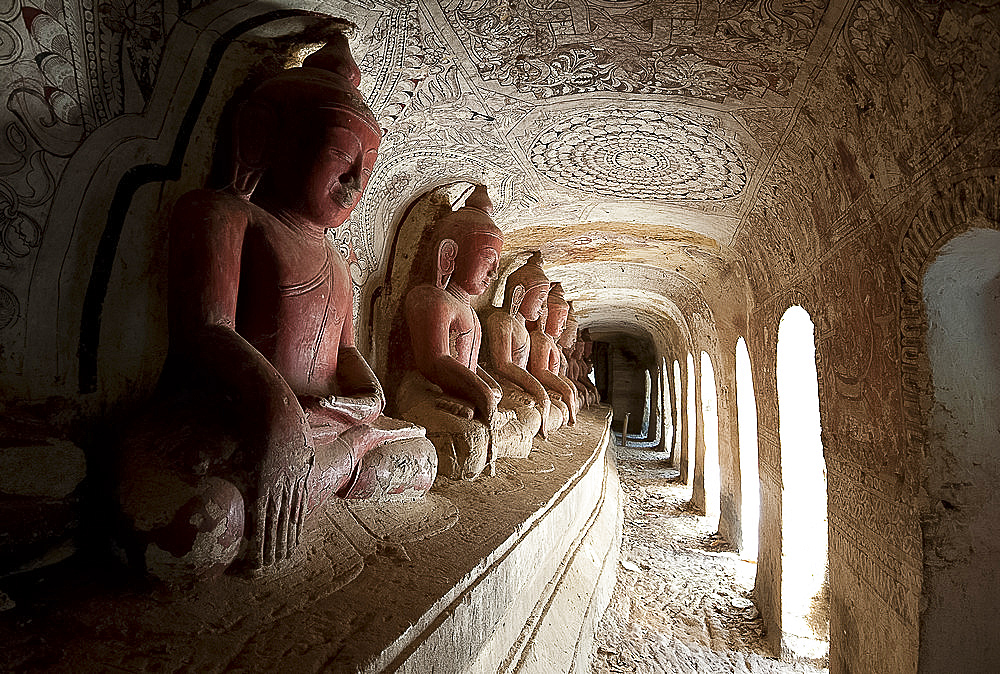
[682,602]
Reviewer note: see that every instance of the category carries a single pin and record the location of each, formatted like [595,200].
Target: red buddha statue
[507,347]
[544,360]
[447,391]
[568,367]
[265,407]
[587,365]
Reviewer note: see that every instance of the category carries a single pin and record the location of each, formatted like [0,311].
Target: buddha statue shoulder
[265,408]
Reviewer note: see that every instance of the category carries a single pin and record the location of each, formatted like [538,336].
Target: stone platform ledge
[517,585]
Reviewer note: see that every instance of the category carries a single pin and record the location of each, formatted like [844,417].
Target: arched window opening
[647,407]
[746,419]
[687,460]
[961,585]
[678,407]
[710,423]
[804,595]
[667,406]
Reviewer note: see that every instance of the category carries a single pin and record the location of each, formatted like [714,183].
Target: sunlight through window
[804,599]
[746,416]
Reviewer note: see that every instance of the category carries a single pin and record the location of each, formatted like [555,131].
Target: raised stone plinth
[518,584]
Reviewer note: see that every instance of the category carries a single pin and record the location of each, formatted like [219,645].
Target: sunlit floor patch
[682,602]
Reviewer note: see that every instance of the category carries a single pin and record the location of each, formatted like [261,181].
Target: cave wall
[893,152]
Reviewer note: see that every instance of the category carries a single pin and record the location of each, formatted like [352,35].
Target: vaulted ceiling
[624,139]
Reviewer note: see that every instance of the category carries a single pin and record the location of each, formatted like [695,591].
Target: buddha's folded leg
[510,437]
[462,444]
[185,527]
[401,465]
[559,412]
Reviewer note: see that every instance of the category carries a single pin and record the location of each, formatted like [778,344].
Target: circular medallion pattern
[639,154]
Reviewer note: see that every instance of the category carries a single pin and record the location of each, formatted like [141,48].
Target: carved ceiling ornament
[644,154]
[582,46]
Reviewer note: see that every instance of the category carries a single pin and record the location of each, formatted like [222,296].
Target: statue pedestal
[519,583]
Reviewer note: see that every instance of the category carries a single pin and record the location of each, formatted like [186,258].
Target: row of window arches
[693,399]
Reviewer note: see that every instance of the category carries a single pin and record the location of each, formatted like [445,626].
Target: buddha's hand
[456,407]
[281,500]
[342,412]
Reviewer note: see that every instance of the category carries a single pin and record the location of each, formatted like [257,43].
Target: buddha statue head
[568,337]
[527,289]
[558,310]
[587,341]
[468,245]
[305,142]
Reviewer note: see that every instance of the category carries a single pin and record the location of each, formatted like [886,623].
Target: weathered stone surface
[689,174]
[522,578]
[52,470]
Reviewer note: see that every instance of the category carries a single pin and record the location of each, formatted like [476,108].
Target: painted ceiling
[625,130]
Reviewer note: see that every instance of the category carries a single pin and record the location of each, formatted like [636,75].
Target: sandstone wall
[893,152]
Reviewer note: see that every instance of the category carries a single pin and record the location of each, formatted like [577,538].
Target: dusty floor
[682,602]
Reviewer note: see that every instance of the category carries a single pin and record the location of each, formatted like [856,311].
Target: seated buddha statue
[507,347]
[544,359]
[568,368]
[446,391]
[265,408]
[587,365]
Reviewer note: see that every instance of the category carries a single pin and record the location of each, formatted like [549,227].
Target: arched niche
[961,593]
[96,320]
[804,593]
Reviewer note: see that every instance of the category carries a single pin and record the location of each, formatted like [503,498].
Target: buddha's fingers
[281,548]
[267,518]
[295,523]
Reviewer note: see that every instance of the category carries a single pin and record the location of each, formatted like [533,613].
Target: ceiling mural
[654,114]
[630,120]
[648,154]
[710,51]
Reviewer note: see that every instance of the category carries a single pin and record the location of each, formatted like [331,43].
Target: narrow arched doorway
[746,418]
[710,425]
[805,600]
[675,458]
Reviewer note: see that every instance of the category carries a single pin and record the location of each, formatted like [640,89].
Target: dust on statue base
[265,408]
[507,348]
[447,392]
[545,357]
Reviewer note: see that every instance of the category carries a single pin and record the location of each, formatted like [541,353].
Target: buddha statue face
[527,289]
[534,302]
[476,263]
[556,322]
[320,172]
[305,141]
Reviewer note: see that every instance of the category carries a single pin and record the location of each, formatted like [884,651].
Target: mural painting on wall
[241,407]
[65,69]
[909,85]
